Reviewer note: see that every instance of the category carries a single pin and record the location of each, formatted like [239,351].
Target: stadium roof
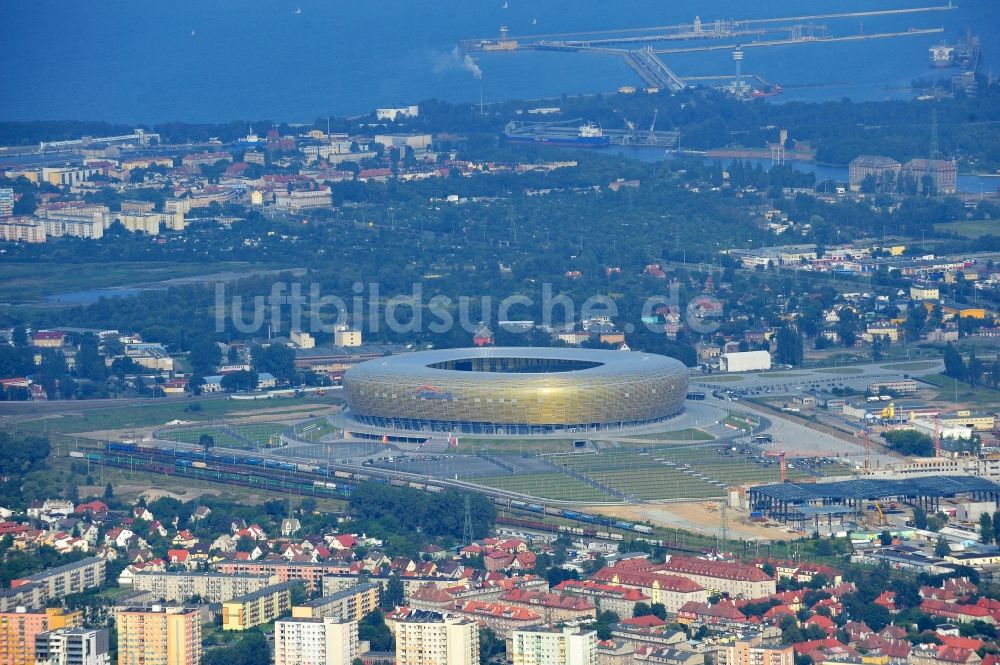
[936,486]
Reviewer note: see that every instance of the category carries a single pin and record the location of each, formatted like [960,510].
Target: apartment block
[310,573]
[315,641]
[21,229]
[6,201]
[210,587]
[159,635]
[31,596]
[71,578]
[431,638]
[258,607]
[20,628]
[552,646]
[73,646]
[747,653]
[349,604]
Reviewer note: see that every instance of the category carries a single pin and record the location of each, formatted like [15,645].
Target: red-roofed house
[737,580]
[809,646]
[48,339]
[609,597]
[672,591]
[930,654]
[824,623]
[646,621]
[956,612]
[887,599]
[722,612]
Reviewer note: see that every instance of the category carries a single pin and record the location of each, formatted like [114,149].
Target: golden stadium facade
[515,391]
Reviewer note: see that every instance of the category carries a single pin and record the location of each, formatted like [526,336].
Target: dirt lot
[698,516]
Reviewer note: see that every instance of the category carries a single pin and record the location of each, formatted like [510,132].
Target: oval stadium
[515,391]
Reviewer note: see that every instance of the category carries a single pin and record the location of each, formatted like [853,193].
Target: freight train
[320,480]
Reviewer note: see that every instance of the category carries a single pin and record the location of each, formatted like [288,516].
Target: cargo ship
[767,91]
[587,135]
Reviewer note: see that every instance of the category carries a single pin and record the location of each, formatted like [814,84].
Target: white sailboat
[298,10]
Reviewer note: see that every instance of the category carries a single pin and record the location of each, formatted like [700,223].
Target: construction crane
[782,456]
[652,126]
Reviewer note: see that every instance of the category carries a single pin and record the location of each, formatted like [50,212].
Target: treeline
[417,514]
[20,454]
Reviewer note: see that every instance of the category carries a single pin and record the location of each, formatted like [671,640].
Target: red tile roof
[648,621]
[720,569]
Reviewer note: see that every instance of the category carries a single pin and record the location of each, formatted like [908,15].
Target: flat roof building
[258,607]
[315,641]
[68,579]
[73,646]
[349,604]
[210,587]
[159,635]
[552,646]
[431,638]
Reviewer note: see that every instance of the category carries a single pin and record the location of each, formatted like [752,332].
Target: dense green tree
[89,363]
[954,365]
[393,596]
[789,346]
[974,369]
[277,360]
[204,355]
[941,547]
[490,646]
[372,629]
[985,528]
[250,649]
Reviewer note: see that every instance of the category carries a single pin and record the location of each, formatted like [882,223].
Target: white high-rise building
[6,201]
[72,646]
[430,638]
[552,646]
[325,641]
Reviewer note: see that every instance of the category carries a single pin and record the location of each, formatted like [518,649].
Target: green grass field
[314,430]
[159,412]
[689,434]
[546,486]
[24,282]
[970,228]
[254,435]
[915,365]
[978,396]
